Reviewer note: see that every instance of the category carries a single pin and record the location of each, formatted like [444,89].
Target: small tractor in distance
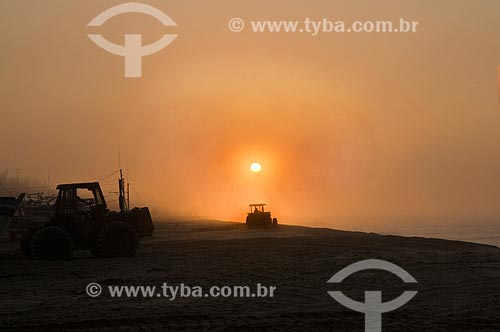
[259,218]
[81,220]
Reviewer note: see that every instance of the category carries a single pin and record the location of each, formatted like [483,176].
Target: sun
[256,167]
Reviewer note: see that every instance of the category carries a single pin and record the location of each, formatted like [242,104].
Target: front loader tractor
[81,220]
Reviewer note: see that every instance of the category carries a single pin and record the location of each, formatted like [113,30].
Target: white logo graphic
[373,307]
[133,51]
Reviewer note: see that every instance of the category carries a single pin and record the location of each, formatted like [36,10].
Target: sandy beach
[458,283]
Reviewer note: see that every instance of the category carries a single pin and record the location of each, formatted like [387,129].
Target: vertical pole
[121,190]
[128,196]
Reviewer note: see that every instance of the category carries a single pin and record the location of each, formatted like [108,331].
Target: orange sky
[343,124]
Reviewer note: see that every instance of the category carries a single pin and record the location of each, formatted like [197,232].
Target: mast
[121,187]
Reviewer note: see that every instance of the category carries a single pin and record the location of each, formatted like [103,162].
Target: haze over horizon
[343,124]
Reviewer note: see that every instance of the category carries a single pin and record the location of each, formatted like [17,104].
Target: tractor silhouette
[81,220]
[259,218]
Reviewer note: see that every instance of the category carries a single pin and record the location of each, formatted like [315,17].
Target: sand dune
[459,283]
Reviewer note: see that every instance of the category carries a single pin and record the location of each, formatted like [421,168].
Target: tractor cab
[83,201]
[80,208]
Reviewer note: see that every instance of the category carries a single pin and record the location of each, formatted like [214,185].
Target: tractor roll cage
[259,207]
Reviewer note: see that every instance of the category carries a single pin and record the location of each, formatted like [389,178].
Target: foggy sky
[344,124]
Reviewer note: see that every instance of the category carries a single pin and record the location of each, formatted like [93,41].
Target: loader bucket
[141,220]
[8,207]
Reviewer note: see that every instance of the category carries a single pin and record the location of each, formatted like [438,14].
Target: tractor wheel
[52,243]
[275,222]
[253,224]
[117,239]
[250,222]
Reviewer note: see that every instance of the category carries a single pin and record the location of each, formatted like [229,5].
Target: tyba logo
[133,50]
[373,307]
